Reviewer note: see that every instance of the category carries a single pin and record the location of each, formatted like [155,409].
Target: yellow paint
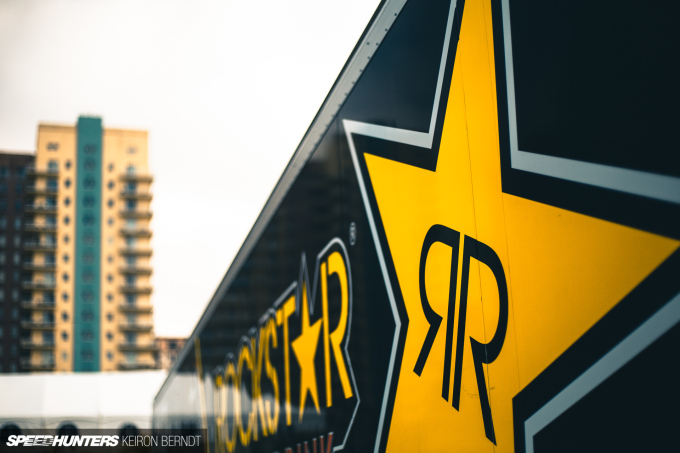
[564,270]
[304,348]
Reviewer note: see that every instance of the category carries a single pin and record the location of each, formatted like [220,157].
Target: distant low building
[168,349]
[56,401]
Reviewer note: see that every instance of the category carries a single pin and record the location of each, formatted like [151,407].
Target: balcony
[42,171]
[39,285]
[136,289]
[31,344]
[146,346]
[41,227]
[139,326]
[138,270]
[41,208]
[37,324]
[33,266]
[38,304]
[137,365]
[139,177]
[42,190]
[136,231]
[137,251]
[135,194]
[136,213]
[134,308]
[44,365]
[40,246]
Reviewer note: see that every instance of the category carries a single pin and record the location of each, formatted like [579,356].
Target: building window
[15,295]
[4,171]
[109,316]
[17,240]
[3,222]
[111,167]
[88,201]
[66,239]
[89,183]
[64,316]
[64,297]
[64,277]
[90,164]
[130,205]
[109,336]
[110,221]
[67,183]
[130,299]
[109,297]
[130,280]
[111,185]
[110,203]
[130,170]
[109,356]
[88,296]
[65,257]
[88,239]
[86,335]
[67,164]
[67,201]
[88,220]
[67,220]
[109,277]
[53,165]
[86,355]
[21,171]
[64,335]
[64,356]
[52,146]
[88,258]
[88,316]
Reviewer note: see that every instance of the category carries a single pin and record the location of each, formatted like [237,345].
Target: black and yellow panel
[480,252]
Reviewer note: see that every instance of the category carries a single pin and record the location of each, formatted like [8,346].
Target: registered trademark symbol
[352,233]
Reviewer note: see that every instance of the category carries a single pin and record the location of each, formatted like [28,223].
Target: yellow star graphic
[564,270]
[304,348]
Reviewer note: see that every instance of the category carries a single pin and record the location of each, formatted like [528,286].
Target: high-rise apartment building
[13,169]
[88,253]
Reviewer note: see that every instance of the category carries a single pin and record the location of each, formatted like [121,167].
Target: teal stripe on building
[86,332]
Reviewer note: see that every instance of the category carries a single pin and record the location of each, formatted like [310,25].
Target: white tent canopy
[86,400]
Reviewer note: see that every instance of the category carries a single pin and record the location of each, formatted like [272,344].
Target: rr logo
[482,353]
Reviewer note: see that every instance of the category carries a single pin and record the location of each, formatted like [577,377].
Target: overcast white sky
[225,88]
